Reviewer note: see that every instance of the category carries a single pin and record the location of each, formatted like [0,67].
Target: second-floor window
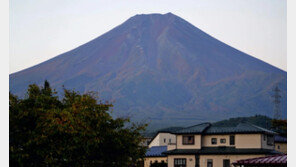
[164,140]
[231,140]
[270,140]
[188,140]
[222,140]
[214,140]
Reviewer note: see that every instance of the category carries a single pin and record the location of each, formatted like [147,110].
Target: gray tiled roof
[207,128]
[156,151]
[194,129]
[220,150]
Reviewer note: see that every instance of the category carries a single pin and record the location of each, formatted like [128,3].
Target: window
[270,140]
[279,147]
[209,163]
[226,163]
[180,162]
[170,140]
[222,140]
[231,140]
[214,140]
[188,140]
[264,137]
[164,140]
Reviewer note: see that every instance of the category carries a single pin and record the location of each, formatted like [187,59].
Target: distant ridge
[165,71]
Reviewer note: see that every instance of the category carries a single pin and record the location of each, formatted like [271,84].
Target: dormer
[190,138]
[162,138]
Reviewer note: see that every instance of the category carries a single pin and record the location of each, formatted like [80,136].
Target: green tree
[74,131]
[280,126]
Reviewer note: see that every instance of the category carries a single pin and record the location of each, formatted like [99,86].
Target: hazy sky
[42,29]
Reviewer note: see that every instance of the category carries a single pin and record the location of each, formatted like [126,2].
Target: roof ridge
[197,125]
[198,128]
[258,127]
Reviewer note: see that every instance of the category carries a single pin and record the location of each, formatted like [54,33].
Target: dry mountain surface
[162,69]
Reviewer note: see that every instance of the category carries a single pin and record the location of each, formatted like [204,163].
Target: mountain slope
[161,68]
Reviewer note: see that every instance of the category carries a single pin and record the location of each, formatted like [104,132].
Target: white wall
[159,139]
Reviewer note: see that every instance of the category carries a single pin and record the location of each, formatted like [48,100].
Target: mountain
[162,69]
[259,120]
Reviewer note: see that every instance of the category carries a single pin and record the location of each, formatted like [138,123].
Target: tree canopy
[76,130]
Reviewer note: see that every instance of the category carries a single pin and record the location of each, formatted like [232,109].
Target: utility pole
[277,101]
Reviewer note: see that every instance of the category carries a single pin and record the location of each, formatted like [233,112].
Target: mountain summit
[163,69]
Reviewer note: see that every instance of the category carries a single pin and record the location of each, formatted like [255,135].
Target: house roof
[240,128]
[270,160]
[220,150]
[156,151]
[199,128]
[207,128]
[280,139]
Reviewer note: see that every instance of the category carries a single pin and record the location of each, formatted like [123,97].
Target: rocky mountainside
[162,69]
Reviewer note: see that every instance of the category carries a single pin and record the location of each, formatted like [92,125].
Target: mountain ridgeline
[163,70]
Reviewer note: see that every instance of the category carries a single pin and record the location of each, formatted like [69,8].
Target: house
[205,145]
[157,145]
[162,138]
[280,144]
[276,161]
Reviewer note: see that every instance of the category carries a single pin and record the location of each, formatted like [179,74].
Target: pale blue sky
[42,29]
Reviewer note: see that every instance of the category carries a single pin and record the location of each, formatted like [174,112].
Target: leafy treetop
[74,131]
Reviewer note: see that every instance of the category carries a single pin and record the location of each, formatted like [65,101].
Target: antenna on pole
[277,101]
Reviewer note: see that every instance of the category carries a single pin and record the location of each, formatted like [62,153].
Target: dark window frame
[226,163]
[214,141]
[231,140]
[223,140]
[183,141]
[210,161]
[178,164]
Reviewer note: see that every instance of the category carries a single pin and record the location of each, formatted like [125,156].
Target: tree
[280,126]
[74,131]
